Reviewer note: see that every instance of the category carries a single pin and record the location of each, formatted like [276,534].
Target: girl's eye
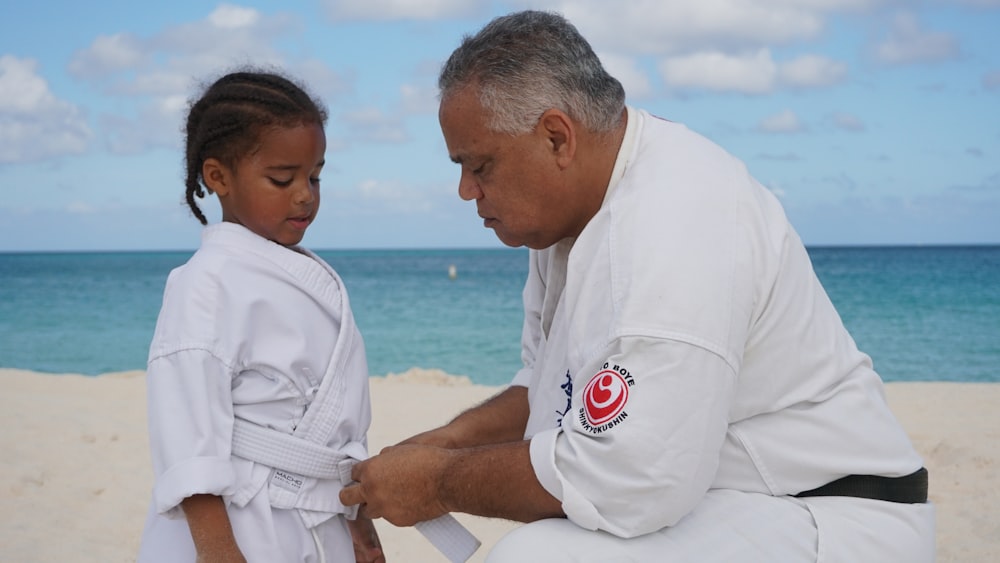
[314,180]
[281,183]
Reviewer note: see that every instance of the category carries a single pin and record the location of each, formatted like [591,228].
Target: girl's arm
[211,530]
[367,547]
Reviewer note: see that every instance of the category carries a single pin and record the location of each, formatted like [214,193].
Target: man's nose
[468,187]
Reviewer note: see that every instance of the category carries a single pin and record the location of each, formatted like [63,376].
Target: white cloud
[225,38]
[106,55]
[172,105]
[908,43]
[157,82]
[395,196]
[228,16]
[167,63]
[401,9]
[80,208]
[157,124]
[626,70]
[418,100]
[784,122]
[371,124]
[320,79]
[674,27]
[752,73]
[151,78]
[848,122]
[34,124]
[21,90]
[811,71]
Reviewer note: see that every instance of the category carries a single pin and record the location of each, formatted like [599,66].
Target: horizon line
[463,248]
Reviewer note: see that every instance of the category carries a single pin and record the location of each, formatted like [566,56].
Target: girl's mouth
[300,222]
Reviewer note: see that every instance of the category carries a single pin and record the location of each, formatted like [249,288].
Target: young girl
[257,379]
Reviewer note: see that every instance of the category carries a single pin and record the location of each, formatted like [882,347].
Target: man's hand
[477,464]
[401,484]
[406,484]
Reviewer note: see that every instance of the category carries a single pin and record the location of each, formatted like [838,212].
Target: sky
[874,121]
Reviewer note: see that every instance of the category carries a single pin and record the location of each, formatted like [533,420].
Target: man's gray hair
[527,63]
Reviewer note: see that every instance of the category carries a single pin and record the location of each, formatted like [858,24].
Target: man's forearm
[500,419]
[496,481]
[478,464]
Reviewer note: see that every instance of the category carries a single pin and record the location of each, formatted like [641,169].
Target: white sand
[75,472]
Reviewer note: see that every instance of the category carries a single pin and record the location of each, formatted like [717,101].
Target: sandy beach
[76,478]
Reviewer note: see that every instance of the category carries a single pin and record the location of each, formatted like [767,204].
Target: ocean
[928,313]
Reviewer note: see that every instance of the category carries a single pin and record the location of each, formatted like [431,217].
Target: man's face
[520,189]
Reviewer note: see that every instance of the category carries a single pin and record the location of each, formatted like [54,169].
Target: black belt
[909,489]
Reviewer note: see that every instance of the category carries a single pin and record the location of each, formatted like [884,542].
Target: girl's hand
[222,554]
[367,547]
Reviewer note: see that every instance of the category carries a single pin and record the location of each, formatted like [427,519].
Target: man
[689,392]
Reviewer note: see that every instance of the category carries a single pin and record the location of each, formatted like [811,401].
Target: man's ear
[560,132]
[216,176]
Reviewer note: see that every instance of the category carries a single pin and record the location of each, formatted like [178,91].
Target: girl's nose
[304,194]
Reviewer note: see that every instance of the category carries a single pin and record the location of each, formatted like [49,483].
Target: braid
[226,121]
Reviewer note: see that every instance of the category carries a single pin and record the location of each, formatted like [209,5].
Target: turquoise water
[922,313]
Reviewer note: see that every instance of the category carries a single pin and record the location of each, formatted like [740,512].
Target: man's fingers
[356,470]
[351,495]
[366,511]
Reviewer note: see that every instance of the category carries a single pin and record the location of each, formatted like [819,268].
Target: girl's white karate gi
[248,328]
[687,373]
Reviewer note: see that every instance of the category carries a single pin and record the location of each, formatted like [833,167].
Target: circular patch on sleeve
[604,397]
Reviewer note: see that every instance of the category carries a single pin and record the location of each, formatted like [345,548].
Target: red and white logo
[604,397]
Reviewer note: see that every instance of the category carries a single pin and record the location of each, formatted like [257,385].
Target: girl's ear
[216,176]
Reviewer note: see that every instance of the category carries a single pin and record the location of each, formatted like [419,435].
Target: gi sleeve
[640,446]
[190,411]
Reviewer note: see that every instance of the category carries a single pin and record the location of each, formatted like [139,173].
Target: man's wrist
[449,478]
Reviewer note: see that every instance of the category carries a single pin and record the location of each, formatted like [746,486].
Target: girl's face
[274,190]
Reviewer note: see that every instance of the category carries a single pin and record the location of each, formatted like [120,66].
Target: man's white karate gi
[687,375]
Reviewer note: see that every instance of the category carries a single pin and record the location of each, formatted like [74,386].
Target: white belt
[286,452]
